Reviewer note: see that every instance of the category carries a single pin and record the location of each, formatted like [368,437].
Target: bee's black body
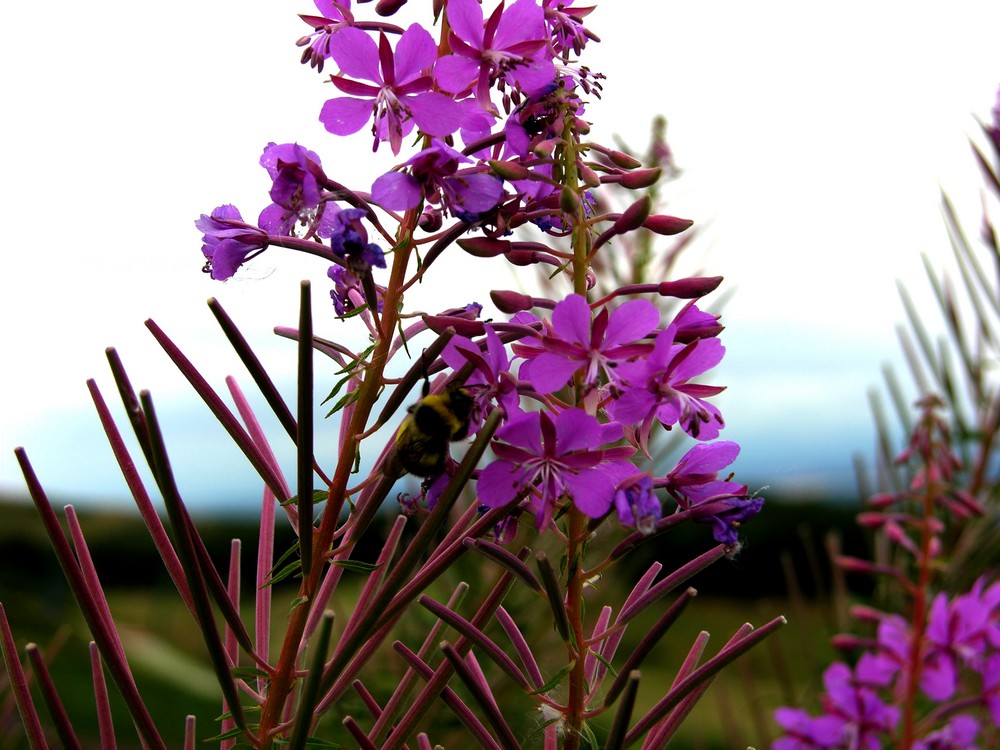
[423,437]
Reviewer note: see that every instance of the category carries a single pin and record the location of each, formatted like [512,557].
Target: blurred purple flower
[637,504]
[402,92]
[511,47]
[860,712]
[803,732]
[577,342]
[556,456]
[228,241]
[434,176]
[958,734]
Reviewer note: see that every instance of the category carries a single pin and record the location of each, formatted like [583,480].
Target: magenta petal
[592,491]
[706,355]
[571,320]
[356,54]
[548,372]
[631,321]
[466,19]
[435,113]
[478,192]
[455,73]
[415,52]
[709,458]
[522,21]
[396,191]
[499,483]
[632,406]
[345,115]
[575,429]
[524,431]
[534,76]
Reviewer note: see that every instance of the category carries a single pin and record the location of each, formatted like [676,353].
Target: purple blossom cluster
[579,390]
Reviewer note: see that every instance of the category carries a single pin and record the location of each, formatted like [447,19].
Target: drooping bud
[663,224]
[633,216]
[509,302]
[431,220]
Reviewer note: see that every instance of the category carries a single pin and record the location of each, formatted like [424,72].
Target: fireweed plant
[923,670]
[559,398]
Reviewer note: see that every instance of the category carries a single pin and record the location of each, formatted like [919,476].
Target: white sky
[814,139]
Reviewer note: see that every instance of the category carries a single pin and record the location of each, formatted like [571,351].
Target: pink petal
[396,191]
[548,372]
[345,115]
[356,54]
[631,321]
[571,320]
[592,491]
[435,113]
[499,483]
[466,19]
[455,73]
[707,354]
[415,52]
[575,429]
[524,20]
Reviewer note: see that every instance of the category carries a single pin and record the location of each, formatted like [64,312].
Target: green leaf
[356,565]
[292,568]
[232,733]
[299,600]
[247,673]
[589,737]
[555,679]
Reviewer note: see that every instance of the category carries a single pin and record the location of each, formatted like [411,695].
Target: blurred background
[813,143]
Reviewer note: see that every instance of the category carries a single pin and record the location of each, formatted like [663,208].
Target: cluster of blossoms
[598,375]
[929,680]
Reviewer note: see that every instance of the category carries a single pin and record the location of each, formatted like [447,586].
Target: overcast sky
[814,138]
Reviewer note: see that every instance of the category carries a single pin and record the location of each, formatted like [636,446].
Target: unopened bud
[692,288]
[544,149]
[430,220]
[871,520]
[462,326]
[509,302]
[623,160]
[484,247]
[388,7]
[509,170]
[589,176]
[662,224]
[569,201]
[633,216]
[640,178]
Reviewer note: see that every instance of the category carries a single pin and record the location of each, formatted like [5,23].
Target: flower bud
[623,160]
[640,178]
[692,288]
[431,219]
[509,170]
[569,201]
[589,176]
[462,326]
[509,302]
[388,7]
[484,247]
[662,224]
[633,216]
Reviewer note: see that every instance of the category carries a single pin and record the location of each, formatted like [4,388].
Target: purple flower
[434,176]
[860,712]
[491,380]
[803,732]
[597,346]
[660,387]
[228,241]
[511,47]
[294,191]
[566,25]
[349,240]
[724,504]
[348,293]
[552,458]
[636,503]
[958,734]
[402,92]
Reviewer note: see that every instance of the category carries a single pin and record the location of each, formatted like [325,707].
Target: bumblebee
[431,424]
